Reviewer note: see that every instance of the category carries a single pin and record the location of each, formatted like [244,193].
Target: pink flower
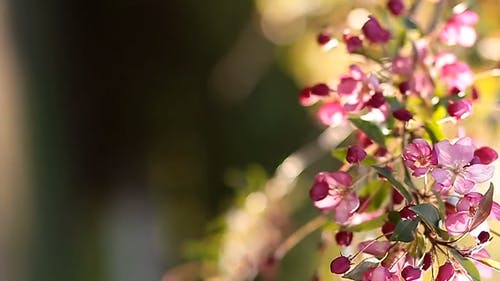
[459,29]
[332,113]
[455,74]
[379,273]
[374,32]
[460,109]
[455,168]
[332,192]
[419,157]
[402,66]
[485,270]
[355,88]
[466,208]
[305,97]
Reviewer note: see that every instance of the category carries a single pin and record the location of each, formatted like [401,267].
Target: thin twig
[298,236]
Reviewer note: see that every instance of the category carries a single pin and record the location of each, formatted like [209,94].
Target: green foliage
[377,192]
[368,225]
[405,230]
[357,272]
[484,208]
[370,129]
[469,267]
[399,186]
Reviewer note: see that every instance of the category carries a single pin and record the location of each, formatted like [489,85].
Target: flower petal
[457,223]
[479,173]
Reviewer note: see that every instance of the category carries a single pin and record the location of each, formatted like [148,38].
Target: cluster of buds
[415,192]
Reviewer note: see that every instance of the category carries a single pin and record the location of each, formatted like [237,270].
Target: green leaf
[466,264]
[394,217]
[489,262]
[357,272]
[399,186]
[368,225]
[340,153]
[428,213]
[405,230]
[484,208]
[410,24]
[370,129]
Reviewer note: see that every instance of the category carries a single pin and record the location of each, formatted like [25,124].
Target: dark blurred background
[132,112]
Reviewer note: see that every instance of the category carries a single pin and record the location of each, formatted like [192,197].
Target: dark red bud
[320,90]
[475,93]
[486,155]
[402,115]
[404,87]
[340,265]
[427,261]
[407,213]
[483,237]
[446,272]
[397,198]
[355,154]
[388,229]
[454,91]
[411,273]
[460,109]
[353,43]
[344,238]
[381,151]
[374,32]
[377,100]
[323,38]
[396,7]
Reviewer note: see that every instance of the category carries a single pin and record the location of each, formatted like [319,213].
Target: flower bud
[353,43]
[388,229]
[407,213]
[411,273]
[323,38]
[319,190]
[374,32]
[377,100]
[483,237]
[332,113]
[427,261]
[344,238]
[402,115]
[320,90]
[486,155]
[397,198]
[404,87]
[460,109]
[355,154]
[396,7]
[340,265]
[475,93]
[446,272]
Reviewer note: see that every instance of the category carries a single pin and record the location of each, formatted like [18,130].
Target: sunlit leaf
[370,129]
[434,132]
[484,208]
[399,186]
[466,264]
[368,225]
[405,230]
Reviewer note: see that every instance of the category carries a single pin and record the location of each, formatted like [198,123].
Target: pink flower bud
[483,237]
[323,38]
[374,32]
[344,238]
[305,97]
[319,190]
[332,113]
[446,272]
[475,93]
[411,273]
[427,261]
[402,115]
[486,155]
[397,198]
[388,229]
[340,265]
[320,90]
[355,154]
[460,109]
[377,100]
[407,213]
[353,43]
[396,7]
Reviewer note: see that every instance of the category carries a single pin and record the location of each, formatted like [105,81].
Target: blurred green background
[121,120]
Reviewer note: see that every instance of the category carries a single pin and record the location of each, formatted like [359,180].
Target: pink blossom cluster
[418,192]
